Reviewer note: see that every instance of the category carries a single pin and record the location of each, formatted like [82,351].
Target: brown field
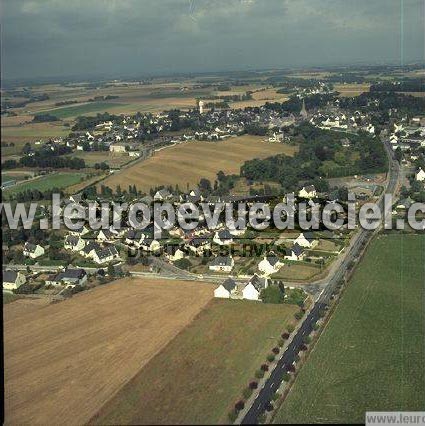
[186,163]
[64,361]
[113,160]
[347,90]
[201,373]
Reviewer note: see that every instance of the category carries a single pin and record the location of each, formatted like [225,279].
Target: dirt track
[63,361]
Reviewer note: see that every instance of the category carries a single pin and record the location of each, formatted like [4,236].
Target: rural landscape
[231,242]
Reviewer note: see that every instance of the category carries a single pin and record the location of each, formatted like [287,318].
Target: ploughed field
[64,361]
[188,162]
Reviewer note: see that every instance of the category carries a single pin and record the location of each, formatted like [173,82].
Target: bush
[240,405]
[298,315]
[276,350]
[233,415]
[296,358]
[259,374]
[253,385]
[265,367]
[285,336]
[280,342]
[290,328]
[316,327]
[262,418]
[290,368]
[286,377]
[268,406]
[303,347]
[247,392]
[307,340]
[271,357]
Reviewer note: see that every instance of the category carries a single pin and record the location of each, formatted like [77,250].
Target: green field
[200,374]
[83,109]
[9,297]
[371,356]
[44,183]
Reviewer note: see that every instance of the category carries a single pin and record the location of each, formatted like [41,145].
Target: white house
[307,192]
[80,231]
[270,264]
[199,244]
[150,244]
[226,289]
[117,148]
[420,175]
[71,278]
[306,239]
[173,253]
[74,243]
[222,264]
[33,250]
[106,254]
[162,195]
[106,236]
[223,237]
[253,287]
[296,252]
[13,280]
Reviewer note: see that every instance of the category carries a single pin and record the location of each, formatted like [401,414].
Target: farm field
[90,108]
[354,89]
[187,163]
[93,157]
[371,356]
[199,375]
[44,183]
[63,361]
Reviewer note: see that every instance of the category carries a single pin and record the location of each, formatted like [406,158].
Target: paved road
[352,254]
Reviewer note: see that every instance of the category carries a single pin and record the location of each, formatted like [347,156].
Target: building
[201,107]
[307,192]
[306,239]
[270,264]
[253,288]
[295,253]
[74,243]
[33,250]
[303,112]
[226,289]
[420,175]
[70,278]
[223,237]
[222,264]
[13,280]
[105,255]
[117,148]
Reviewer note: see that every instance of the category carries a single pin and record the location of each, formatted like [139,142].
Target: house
[223,237]
[106,254]
[199,244]
[134,238]
[150,244]
[307,192]
[173,253]
[270,264]
[306,239]
[222,264]
[420,175]
[33,250]
[89,248]
[225,289]
[71,277]
[80,231]
[13,280]
[253,288]
[162,195]
[106,235]
[296,252]
[74,243]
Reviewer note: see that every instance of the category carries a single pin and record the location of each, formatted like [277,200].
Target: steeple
[303,112]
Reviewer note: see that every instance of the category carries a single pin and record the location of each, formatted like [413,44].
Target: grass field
[201,373]
[44,183]
[187,163]
[371,356]
[63,361]
[354,89]
[9,297]
[93,157]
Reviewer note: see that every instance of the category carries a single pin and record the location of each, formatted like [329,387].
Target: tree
[272,294]
[111,270]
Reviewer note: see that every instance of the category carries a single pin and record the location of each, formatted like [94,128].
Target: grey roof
[308,235]
[225,234]
[272,259]
[310,188]
[106,252]
[229,284]
[30,247]
[258,282]
[71,273]
[72,240]
[9,276]
[91,246]
[221,261]
[297,249]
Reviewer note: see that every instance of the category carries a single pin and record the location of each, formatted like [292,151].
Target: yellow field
[187,163]
[348,90]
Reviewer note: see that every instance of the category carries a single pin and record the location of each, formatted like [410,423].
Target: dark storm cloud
[58,37]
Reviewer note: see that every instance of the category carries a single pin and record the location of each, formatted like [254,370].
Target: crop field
[347,90]
[64,361]
[44,183]
[90,108]
[93,157]
[200,374]
[371,355]
[187,163]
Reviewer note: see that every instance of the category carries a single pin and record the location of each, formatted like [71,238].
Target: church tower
[303,112]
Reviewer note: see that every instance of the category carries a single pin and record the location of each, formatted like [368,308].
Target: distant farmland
[371,356]
[82,109]
[189,162]
[64,361]
[199,375]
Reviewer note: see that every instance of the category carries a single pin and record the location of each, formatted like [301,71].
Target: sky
[43,38]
